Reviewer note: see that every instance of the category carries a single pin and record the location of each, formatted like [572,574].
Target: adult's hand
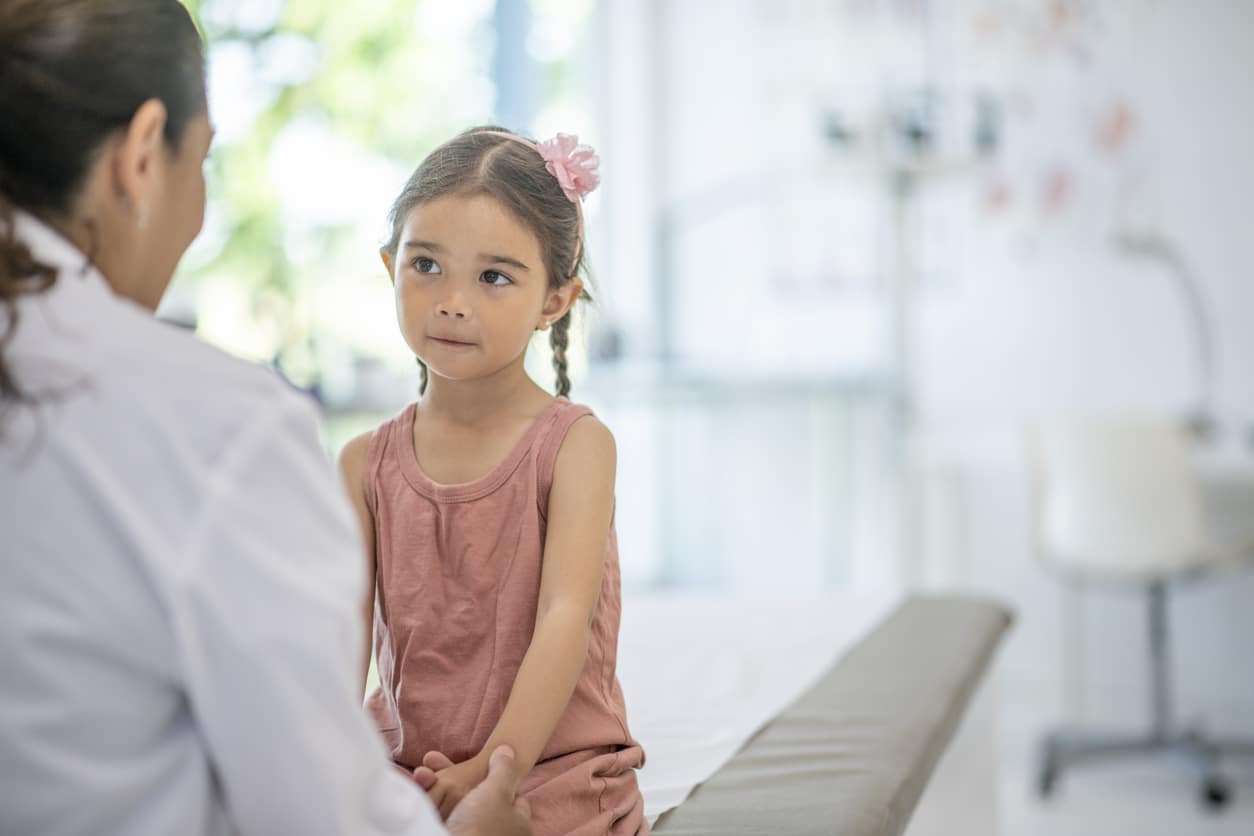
[494,808]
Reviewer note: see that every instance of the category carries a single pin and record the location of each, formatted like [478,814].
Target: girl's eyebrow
[424,245]
[504,259]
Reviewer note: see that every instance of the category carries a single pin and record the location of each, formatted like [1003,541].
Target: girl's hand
[432,762]
[452,781]
[494,808]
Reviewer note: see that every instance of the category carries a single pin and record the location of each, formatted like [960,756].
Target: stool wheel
[1215,793]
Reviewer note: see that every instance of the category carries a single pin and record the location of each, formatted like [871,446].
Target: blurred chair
[1118,503]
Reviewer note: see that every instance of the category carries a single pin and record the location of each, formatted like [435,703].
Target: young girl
[488,505]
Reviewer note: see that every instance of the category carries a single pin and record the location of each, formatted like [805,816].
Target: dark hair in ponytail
[72,73]
[480,161]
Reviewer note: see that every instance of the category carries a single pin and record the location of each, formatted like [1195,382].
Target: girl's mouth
[447,343]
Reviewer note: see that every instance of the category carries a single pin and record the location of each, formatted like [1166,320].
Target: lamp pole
[1156,247]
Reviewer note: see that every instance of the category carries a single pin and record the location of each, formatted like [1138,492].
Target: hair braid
[422,380]
[559,339]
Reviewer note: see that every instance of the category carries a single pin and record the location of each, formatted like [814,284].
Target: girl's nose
[453,308]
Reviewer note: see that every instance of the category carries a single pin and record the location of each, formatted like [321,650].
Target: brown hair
[480,161]
[72,73]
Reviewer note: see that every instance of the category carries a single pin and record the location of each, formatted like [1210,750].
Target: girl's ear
[561,300]
[386,255]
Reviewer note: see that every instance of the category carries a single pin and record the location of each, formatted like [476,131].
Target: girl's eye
[425,265]
[495,279]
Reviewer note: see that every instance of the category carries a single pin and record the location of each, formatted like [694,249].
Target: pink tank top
[458,581]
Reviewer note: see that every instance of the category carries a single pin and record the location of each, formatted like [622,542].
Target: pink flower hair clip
[574,165]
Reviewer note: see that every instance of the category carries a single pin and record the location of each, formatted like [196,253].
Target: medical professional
[178,654]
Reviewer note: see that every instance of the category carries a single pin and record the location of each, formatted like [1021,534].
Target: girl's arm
[353,469]
[581,504]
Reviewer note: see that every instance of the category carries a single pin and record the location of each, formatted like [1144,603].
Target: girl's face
[471,288]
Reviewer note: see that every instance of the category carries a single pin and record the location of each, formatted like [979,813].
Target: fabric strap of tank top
[550,444]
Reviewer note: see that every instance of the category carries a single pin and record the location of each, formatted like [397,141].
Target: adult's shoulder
[203,393]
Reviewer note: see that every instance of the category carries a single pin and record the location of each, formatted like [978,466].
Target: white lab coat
[180,588]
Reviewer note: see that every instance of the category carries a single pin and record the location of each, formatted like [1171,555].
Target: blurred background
[846,254]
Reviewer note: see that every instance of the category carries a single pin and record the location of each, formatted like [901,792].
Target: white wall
[1047,314]
[1025,309]
[1046,318]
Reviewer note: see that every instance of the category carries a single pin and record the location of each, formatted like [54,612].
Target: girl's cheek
[408,312]
[408,297]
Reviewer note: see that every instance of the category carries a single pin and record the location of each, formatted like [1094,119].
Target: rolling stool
[1118,503]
